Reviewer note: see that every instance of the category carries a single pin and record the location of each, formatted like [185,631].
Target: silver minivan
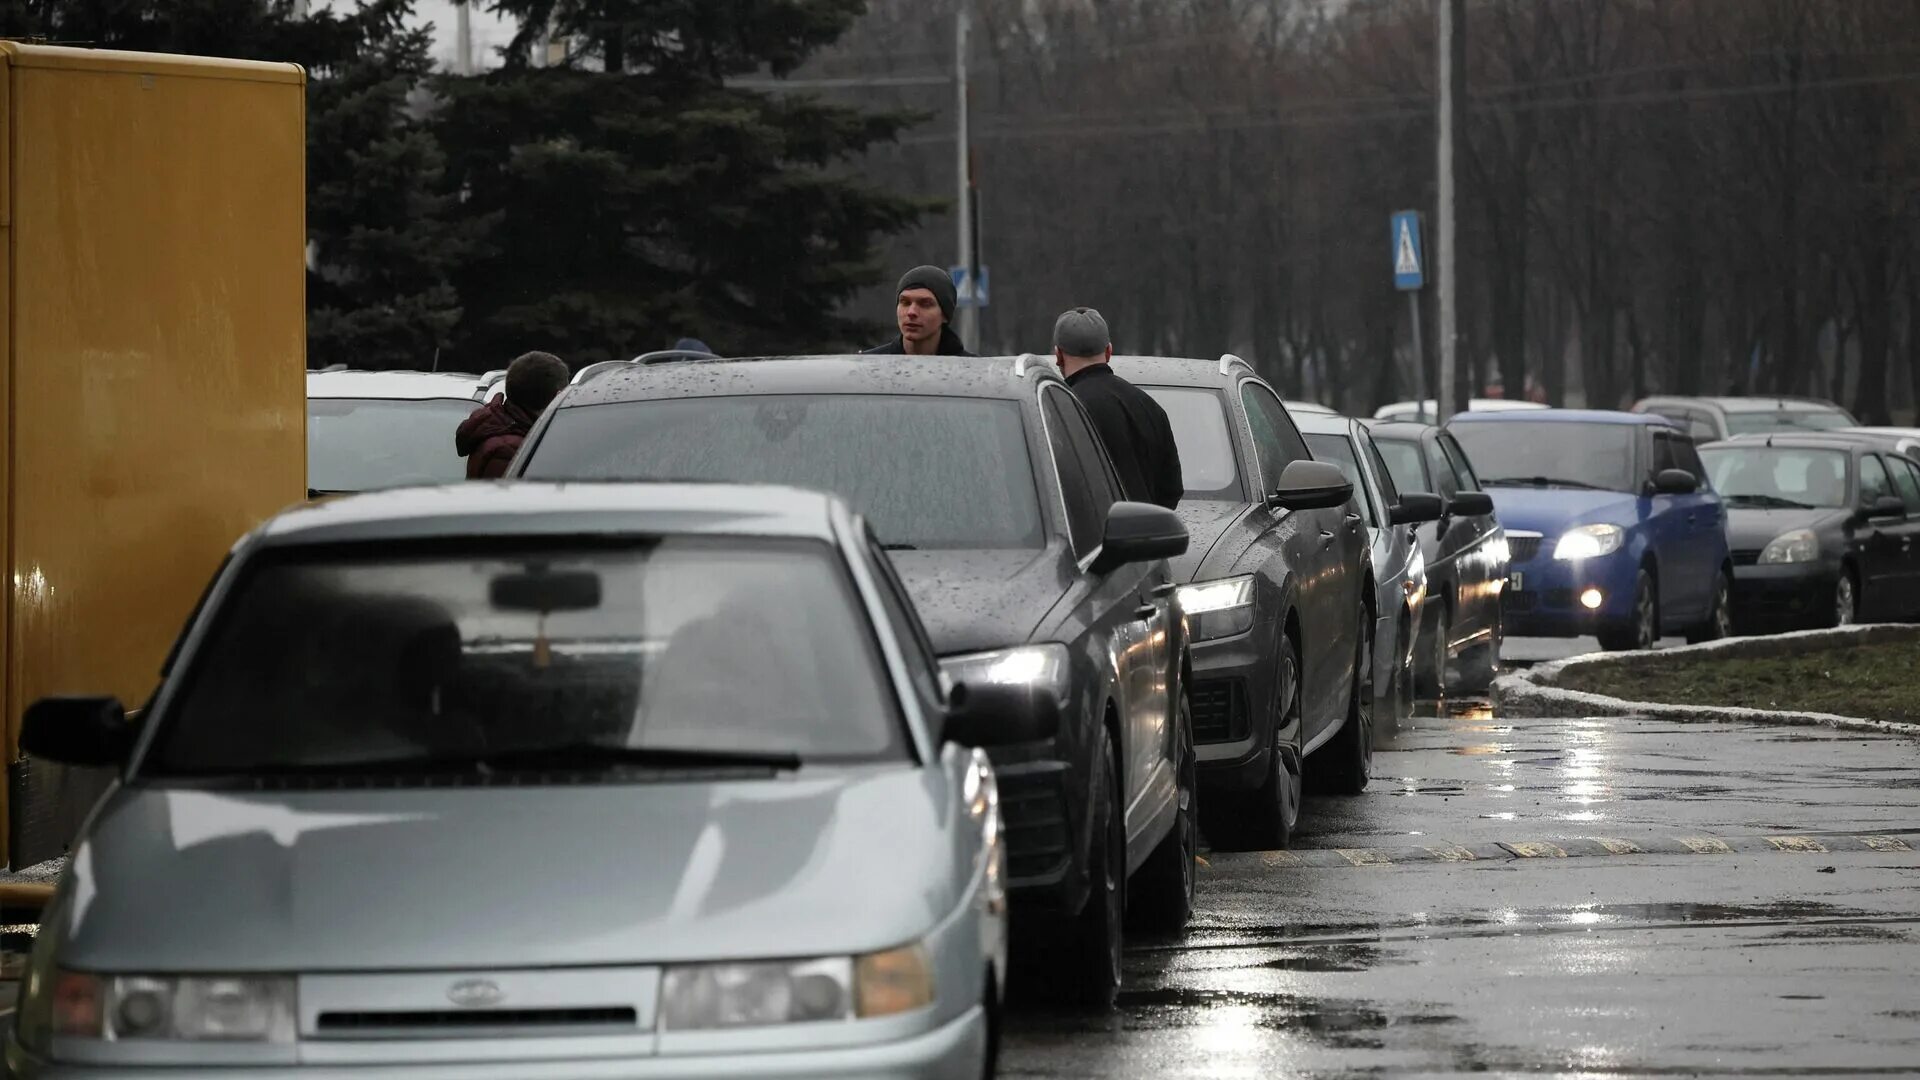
[531,780]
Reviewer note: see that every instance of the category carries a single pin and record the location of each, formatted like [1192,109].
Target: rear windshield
[1778,478]
[928,472]
[440,658]
[359,444]
[1549,454]
[1404,464]
[1200,433]
[1746,423]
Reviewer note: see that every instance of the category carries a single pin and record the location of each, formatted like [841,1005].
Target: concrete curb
[1533,691]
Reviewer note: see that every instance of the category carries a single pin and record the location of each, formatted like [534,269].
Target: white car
[379,429]
[1423,412]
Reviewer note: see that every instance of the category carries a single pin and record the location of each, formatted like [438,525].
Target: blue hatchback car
[1612,526]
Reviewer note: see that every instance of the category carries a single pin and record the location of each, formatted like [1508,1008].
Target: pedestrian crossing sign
[1409,268]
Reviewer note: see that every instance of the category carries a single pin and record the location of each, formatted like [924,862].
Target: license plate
[1516,581]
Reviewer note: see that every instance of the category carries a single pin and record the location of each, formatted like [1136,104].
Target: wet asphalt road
[1761,917]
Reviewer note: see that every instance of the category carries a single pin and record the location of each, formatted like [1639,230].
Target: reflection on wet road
[1557,897]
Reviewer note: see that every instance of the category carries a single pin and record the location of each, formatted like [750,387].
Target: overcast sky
[490,31]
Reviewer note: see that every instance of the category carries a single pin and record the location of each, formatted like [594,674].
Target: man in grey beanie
[1133,426]
[923,308]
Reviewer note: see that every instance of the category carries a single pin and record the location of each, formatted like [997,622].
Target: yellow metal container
[152,365]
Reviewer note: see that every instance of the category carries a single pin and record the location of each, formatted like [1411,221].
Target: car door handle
[1353,517]
[1146,611]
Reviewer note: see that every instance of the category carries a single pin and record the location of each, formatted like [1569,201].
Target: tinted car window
[1338,451]
[1874,483]
[1907,479]
[1275,438]
[923,664]
[1665,452]
[1389,491]
[1440,468]
[929,472]
[1083,522]
[1539,451]
[449,655]
[1462,472]
[1205,442]
[1102,484]
[358,444]
[1404,464]
[1777,477]
[1689,458]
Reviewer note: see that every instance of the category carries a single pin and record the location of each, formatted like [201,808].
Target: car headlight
[1590,542]
[1217,609]
[705,997]
[1046,666]
[196,1008]
[1800,545]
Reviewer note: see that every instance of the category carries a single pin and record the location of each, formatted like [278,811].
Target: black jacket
[1137,434]
[949,346]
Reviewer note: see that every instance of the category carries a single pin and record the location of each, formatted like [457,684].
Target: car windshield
[1200,433]
[1404,464]
[1748,423]
[1337,450]
[471,657]
[1540,453]
[359,444]
[1770,477]
[928,472]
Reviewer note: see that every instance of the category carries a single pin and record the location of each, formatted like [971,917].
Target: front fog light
[1591,599]
[1217,609]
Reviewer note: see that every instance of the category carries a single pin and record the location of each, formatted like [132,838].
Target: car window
[1776,477]
[927,472]
[1874,483]
[1700,427]
[1404,464]
[1205,441]
[1083,521]
[1440,469]
[433,656]
[1457,460]
[359,444]
[1665,454]
[1689,459]
[1337,450]
[923,664]
[1102,481]
[1275,438]
[1906,477]
[1550,453]
[1382,479]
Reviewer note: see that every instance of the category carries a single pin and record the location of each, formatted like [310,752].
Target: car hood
[972,600]
[1549,511]
[1749,527]
[434,879]
[1207,520]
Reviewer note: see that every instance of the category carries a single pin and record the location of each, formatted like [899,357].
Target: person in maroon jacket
[492,435]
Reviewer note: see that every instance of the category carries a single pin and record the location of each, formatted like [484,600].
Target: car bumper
[1232,686]
[1547,603]
[949,1052]
[1783,595]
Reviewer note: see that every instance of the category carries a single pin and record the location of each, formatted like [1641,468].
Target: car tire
[1481,664]
[1401,695]
[1089,972]
[1160,893]
[1263,819]
[1433,660]
[1641,628]
[1844,606]
[1719,621]
[1348,757]
[993,1009]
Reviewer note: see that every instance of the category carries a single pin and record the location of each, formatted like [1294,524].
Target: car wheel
[1349,756]
[991,1005]
[1091,974]
[1719,622]
[1433,653]
[1263,819]
[1846,606]
[1160,893]
[1642,627]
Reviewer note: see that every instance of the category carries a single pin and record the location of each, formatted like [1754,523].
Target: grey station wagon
[493,781]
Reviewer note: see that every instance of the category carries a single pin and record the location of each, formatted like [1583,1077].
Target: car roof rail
[1228,361]
[672,356]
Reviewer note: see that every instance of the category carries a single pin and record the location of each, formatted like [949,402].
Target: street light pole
[463,37]
[967,318]
[1451,46]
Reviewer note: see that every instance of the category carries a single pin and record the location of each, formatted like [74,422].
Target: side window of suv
[1275,439]
[1086,491]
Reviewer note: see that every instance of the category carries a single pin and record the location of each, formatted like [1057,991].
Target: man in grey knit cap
[1133,426]
[923,308]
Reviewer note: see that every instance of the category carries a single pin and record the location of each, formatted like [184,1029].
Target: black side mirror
[1887,506]
[1416,507]
[1312,485]
[1140,532]
[1000,714]
[89,731]
[1675,482]
[1470,504]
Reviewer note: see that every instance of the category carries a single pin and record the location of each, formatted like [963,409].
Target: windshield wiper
[1771,501]
[1540,481]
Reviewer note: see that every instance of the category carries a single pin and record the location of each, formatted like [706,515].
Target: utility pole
[966,319]
[463,37]
[1451,46]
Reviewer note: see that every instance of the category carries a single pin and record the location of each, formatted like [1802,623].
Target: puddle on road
[1222,1016]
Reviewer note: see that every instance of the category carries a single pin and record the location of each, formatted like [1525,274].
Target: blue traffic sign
[970,293]
[1409,265]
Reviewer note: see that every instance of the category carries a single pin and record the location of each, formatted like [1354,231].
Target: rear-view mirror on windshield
[544,590]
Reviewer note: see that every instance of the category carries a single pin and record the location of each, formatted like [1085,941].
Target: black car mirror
[1140,532]
[1470,504]
[1000,714]
[87,731]
[1675,482]
[1415,507]
[1312,485]
[1887,506]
